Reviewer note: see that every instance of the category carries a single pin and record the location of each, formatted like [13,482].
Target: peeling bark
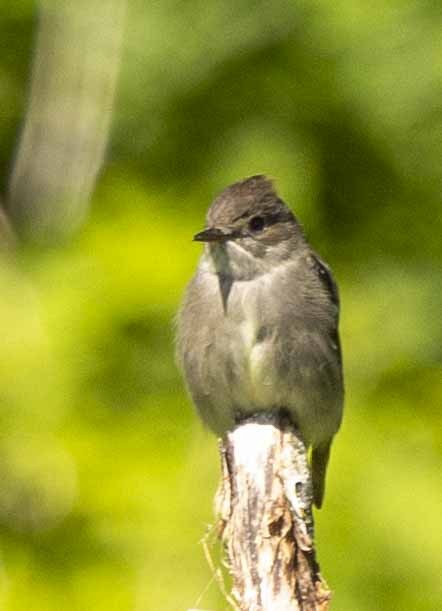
[265,508]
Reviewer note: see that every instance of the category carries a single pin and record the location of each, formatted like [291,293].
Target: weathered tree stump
[265,508]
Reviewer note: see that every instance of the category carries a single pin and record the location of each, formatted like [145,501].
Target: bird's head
[249,229]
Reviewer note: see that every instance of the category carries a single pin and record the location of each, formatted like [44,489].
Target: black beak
[213,234]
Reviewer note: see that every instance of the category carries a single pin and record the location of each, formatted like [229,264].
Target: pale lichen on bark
[265,509]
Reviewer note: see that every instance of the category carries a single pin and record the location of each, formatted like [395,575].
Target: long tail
[320,456]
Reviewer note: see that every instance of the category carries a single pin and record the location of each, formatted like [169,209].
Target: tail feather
[320,456]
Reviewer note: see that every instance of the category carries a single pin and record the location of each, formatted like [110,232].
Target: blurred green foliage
[106,479]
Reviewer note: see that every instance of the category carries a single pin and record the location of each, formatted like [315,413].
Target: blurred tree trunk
[7,238]
[66,128]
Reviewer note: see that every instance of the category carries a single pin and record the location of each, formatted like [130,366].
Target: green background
[106,477]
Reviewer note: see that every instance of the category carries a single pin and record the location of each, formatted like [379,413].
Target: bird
[257,330]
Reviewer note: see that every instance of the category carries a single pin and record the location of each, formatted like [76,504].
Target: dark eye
[256,223]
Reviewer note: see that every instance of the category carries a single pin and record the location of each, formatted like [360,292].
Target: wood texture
[265,507]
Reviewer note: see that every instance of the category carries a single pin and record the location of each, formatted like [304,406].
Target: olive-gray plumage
[258,327]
